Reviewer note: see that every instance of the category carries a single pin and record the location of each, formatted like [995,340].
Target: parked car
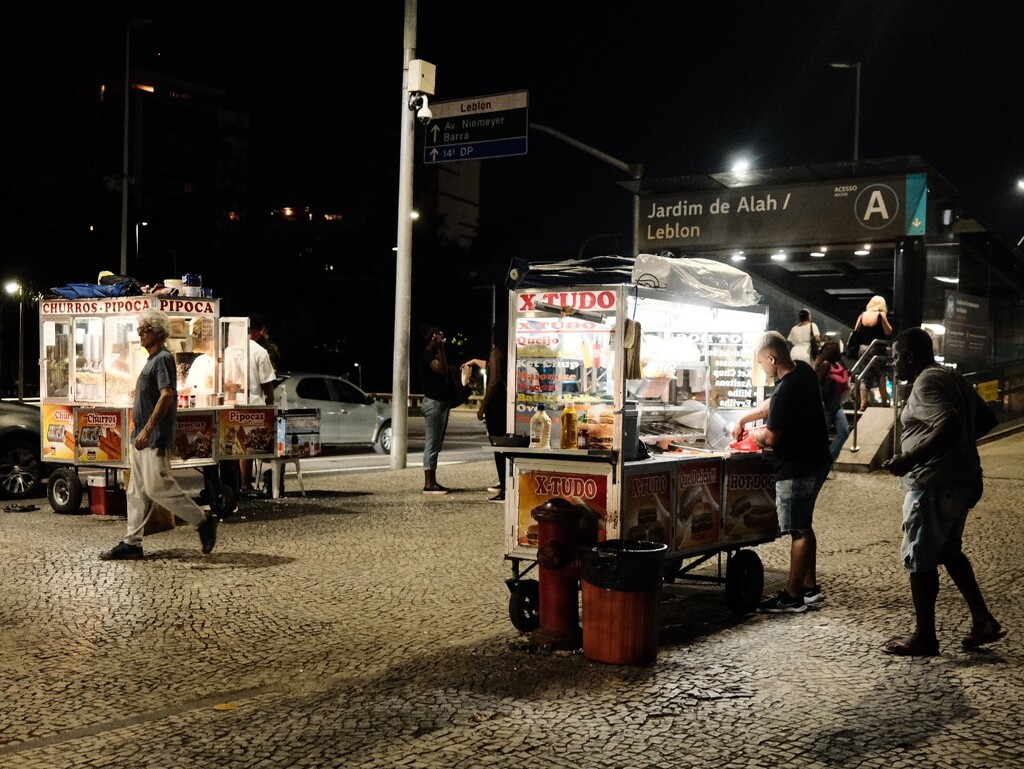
[21,471]
[347,414]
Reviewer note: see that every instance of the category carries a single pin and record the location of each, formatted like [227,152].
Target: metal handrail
[856,372]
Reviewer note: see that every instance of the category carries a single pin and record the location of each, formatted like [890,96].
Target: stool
[276,471]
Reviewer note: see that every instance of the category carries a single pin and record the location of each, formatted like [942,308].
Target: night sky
[682,87]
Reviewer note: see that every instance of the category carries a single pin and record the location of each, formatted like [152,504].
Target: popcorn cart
[90,359]
[657,371]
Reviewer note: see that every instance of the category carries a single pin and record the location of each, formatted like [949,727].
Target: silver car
[347,414]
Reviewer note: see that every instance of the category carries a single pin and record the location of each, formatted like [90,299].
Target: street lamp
[359,373]
[13,287]
[854,65]
[124,155]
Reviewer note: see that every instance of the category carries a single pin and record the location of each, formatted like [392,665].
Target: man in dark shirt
[435,382]
[153,416]
[795,431]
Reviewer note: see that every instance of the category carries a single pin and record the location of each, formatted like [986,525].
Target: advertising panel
[537,487]
[698,512]
[101,435]
[646,514]
[748,512]
[246,432]
[58,428]
[194,437]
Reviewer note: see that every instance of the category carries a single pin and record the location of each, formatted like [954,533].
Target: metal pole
[124,151]
[21,344]
[403,272]
[856,115]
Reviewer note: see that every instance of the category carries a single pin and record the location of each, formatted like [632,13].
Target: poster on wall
[968,337]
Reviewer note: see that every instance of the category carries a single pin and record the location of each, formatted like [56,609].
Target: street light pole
[855,66]
[12,289]
[359,372]
[137,225]
[124,145]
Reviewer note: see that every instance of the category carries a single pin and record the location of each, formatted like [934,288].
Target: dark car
[21,471]
[347,414]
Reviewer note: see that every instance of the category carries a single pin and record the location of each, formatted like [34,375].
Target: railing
[877,352]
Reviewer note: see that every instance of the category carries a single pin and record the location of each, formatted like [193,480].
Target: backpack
[839,378]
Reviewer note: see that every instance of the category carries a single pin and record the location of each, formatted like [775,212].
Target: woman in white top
[801,336]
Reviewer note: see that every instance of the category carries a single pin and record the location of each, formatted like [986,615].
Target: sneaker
[122,551]
[783,603]
[499,497]
[813,595]
[494,489]
[208,533]
[250,493]
[437,489]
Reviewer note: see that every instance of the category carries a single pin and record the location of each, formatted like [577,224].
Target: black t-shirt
[433,385]
[795,410]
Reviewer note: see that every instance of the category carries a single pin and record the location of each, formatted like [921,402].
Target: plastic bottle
[540,429]
[568,438]
[583,433]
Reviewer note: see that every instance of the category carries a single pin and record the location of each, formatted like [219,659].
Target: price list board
[731,358]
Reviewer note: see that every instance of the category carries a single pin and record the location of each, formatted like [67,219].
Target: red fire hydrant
[558,574]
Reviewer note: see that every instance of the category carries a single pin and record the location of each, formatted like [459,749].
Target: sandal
[973,639]
[910,647]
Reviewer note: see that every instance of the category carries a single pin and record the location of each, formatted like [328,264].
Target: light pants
[151,481]
[435,422]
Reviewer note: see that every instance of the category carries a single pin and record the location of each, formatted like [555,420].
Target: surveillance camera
[423,113]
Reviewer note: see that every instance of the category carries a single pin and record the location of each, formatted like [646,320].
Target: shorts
[933,525]
[794,500]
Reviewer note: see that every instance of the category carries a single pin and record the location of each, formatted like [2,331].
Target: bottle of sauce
[568,439]
[583,433]
[540,429]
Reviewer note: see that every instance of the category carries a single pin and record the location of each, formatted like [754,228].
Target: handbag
[815,347]
[852,349]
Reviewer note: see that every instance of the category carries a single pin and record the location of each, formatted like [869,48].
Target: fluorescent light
[739,257]
[862,252]
[946,279]
[779,257]
[817,254]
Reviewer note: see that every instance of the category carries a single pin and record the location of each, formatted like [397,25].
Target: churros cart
[90,359]
[661,368]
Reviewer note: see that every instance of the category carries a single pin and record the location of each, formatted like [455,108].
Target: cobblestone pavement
[366,626]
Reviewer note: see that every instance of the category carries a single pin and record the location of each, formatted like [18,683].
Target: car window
[313,388]
[347,393]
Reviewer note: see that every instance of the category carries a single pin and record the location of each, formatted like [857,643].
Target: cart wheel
[524,605]
[744,581]
[64,490]
[224,501]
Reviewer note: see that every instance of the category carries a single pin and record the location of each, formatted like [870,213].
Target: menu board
[732,360]
[698,517]
[58,432]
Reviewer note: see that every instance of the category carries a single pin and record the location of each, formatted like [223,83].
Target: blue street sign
[482,127]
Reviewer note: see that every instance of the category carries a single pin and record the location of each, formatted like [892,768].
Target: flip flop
[974,640]
[900,646]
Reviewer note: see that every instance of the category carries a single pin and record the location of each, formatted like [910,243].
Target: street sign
[482,127]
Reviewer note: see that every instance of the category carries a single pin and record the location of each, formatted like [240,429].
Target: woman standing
[873,324]
[435,382]
[803,336]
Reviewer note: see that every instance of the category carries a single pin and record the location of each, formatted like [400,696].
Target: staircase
[874,441]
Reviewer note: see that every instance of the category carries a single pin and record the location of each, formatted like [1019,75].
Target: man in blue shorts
[796,433]
[938,465]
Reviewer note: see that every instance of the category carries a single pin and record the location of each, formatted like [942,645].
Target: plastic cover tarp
[570,272]
[695,278]
[623,565]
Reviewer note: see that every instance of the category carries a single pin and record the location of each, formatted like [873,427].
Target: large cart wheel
[524,605]
[224,500]
[64,490]
[744,581]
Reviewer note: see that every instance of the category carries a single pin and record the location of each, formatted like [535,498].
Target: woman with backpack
[835,384]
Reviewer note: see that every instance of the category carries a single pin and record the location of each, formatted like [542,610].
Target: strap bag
[815,347]
[839,378]
[459,391]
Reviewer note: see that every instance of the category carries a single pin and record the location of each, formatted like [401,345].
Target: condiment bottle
[568,438]
[583,433]
[540,429]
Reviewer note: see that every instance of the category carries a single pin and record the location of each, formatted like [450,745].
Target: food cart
[90,359]
[662,367]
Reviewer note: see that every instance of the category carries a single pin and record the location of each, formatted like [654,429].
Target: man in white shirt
[261,387]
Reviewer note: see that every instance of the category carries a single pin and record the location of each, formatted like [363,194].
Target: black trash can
[621,581]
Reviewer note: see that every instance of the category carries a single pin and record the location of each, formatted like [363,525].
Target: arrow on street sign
[482,127]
